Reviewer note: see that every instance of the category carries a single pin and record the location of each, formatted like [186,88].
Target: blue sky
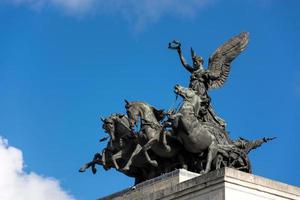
[63,64]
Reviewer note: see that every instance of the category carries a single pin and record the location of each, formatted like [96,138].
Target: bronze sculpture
[193,137]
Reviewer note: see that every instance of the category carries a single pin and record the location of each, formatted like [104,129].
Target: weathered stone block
[223,184]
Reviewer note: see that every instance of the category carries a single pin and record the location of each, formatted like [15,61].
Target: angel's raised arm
[177,45]
[183,61]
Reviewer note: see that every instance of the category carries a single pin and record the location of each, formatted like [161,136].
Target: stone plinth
[223,184]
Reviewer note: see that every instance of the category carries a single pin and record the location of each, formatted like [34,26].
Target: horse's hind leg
[182,161]
[212,153]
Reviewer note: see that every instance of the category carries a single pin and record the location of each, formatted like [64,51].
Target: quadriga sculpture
[193,137]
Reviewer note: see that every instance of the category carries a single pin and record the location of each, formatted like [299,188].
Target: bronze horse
[197,136]
[120,143]
[152,135]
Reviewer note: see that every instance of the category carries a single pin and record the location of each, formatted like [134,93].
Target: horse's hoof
[168,148]
[184,166]
[203,172]
[117,167]
[125,169]
[133,187]
[94,170]
[82,169]
[154,163]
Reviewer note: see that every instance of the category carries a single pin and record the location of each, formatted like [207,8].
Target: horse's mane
[158,113]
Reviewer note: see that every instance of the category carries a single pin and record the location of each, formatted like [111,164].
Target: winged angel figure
[215,75]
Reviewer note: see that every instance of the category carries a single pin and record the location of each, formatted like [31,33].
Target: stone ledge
[220,184]
[161,182]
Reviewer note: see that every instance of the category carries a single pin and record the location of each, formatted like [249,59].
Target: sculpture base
[222,184]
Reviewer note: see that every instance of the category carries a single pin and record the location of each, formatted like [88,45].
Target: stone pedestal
[223,184]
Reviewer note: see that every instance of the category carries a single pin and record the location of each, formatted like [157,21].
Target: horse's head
[109,126]
[192,101]
[116,126]
[185,93]
[133,113]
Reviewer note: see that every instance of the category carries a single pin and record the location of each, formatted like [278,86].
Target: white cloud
[137,12]
[143,12]
[15,184]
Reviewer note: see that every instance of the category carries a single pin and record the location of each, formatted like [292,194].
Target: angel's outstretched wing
[220,60]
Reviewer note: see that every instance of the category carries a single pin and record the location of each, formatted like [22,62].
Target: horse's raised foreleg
[148,146]
[86,166]
[116,156]
[137,149]
[105,154]
[103,157]
[173,120]
[96,160]
[164,141]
